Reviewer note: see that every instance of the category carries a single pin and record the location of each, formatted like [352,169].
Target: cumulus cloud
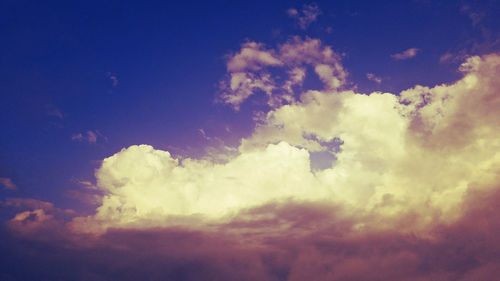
[8,184]
[407,54]
[411,193]
[251,71]
[417,153]
[306,16]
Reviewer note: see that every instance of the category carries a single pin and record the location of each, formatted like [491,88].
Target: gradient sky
[404,168]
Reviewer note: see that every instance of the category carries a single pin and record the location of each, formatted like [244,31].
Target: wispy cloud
[372,77]
[306,16]
[113,77]
[446,57]
[474,15]
[407,54]
[8,184]
[54,111]
[89,136]
[278,241]
[249,70]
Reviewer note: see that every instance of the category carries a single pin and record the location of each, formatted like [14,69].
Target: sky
[257,140]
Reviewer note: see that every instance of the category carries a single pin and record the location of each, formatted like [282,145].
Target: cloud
[252,56]
[289,241]
[475,16]
[254,69]
[37,217]
[306,16]
[415,153]
[407,54]
[85,184]
[27,203]
[373,78]
[445,57]
[113,78]
[410,195]
[53,111]
[8,184]
[89,136]
[87,193]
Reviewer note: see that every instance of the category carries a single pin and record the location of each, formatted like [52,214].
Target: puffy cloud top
[417,152]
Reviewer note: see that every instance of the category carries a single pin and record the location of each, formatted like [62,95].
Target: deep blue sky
[168,56]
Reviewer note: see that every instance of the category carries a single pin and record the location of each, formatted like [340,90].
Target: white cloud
[249,71]
[418,153]
[8,184]
[407,54]
[306,16]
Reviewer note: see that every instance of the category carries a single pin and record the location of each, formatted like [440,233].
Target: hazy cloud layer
[292,241]
[417,152]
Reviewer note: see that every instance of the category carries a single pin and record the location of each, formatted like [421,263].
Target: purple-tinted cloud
[8,184]
[282,241]
[90,137]
[407,54]
[306,16]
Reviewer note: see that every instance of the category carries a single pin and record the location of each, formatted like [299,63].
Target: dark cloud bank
[282,241]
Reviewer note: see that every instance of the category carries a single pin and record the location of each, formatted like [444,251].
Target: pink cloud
[407,54]
[372,77]
[90,137]
[306,16]
[8,184]
[279,241]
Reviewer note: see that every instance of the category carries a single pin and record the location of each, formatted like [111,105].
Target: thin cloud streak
[407,54]
[90,137]
[8,184]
